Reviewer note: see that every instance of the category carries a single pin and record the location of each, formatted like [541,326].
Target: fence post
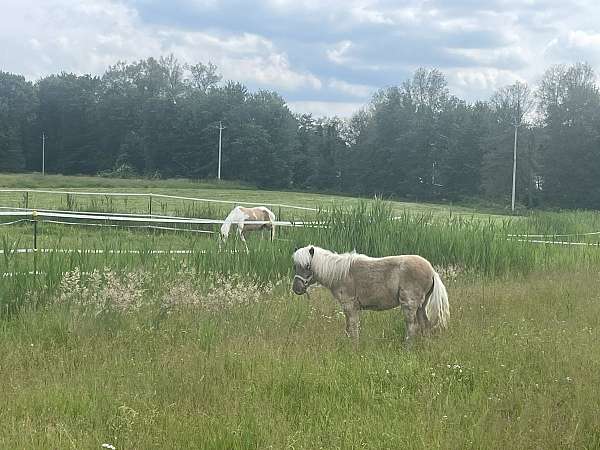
[26,199]
[150,205]
[34,218]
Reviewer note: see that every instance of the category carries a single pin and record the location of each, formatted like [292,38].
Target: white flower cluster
[105,291]
[449,273]
[223,292]
[102,291]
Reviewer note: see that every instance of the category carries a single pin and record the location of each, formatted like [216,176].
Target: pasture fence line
[151,195]
[36,214]
[555,239]
[541,241]
[14,222]
[109,225]
[125,221]
[99,251]
[593,233]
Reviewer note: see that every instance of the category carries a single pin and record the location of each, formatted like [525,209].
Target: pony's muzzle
[298,287]
[301,284]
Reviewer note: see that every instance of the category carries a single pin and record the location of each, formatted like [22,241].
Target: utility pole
[43,153]
[221,128]
[514,169]
[517,123]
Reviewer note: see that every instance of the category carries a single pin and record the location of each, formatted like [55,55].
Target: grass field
[211,350]
[185,188]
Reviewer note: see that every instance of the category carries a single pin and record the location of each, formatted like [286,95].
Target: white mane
[235,216]
[328,267]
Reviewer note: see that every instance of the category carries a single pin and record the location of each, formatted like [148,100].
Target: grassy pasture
[211,350]
[517,369]
[185,188]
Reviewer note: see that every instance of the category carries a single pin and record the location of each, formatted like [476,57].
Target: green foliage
[123,170]
[414,141]
[570,103]
[18,104]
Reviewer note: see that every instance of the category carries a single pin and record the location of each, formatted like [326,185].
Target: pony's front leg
[243,239]
[352,313]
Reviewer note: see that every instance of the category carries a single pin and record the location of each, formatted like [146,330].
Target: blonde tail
[437,309]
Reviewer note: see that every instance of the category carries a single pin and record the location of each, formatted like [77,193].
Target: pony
[239,215]
[359,282]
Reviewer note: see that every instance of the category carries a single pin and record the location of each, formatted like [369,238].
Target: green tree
[570,108]
[18,105]
[67,115]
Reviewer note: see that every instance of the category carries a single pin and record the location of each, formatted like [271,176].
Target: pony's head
[304,276]
[225,231]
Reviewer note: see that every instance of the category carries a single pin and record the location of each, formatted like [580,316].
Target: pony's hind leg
[412,324]
[422,320]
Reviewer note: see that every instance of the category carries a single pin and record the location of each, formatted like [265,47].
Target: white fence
[42,215]
[151,195]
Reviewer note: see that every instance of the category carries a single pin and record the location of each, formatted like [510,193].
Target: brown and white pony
[360,282]
[240,216]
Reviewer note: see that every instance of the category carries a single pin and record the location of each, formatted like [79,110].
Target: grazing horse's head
[224,232]
[304,276]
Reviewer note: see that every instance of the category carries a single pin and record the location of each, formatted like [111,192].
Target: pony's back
[270,213]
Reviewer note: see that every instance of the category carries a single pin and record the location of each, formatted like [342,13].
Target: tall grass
[561,223]
[473,246]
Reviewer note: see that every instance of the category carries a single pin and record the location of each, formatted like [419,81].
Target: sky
[324,57]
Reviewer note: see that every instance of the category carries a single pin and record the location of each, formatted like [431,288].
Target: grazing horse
[361,282]
[239,215]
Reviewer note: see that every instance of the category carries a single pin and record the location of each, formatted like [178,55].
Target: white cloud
[88,36]
[286,5]
[584,39]
[339,53]
[363,14]
[480,82]
[501,57]
[310,47]
[329,109]
[244,57]
[355,90]
[579,45]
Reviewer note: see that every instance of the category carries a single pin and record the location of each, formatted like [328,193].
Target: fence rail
[145,218]
[151,195]
[141,221]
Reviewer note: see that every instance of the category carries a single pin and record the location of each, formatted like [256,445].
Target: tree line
[159,117]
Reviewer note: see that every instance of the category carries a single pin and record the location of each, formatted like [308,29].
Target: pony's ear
[311,251]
